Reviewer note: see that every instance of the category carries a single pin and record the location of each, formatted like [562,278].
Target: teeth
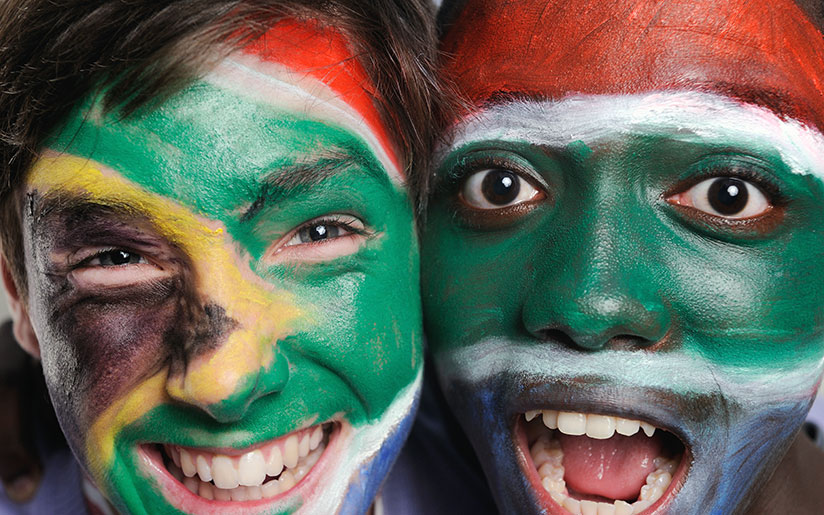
[187,464]
[589,508]
[252,469]
[548,457]
[317,436]
[206,490]
[572,423]
[244,478]
[204,470]
[600,427]
[271,489]
[595,426]
[224,473]
[627,427]
[290,452]
[550,418]
[274,465]
[254,493]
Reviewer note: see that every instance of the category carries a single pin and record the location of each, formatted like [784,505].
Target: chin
[559,432]
[324,467]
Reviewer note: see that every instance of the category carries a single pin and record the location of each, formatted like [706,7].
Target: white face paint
[683,116]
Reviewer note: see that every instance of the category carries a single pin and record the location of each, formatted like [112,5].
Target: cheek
[754,308]
[96,350]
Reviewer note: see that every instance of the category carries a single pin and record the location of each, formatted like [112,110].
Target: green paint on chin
[746,298]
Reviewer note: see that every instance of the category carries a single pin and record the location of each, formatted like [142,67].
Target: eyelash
[761,180]
[347,223]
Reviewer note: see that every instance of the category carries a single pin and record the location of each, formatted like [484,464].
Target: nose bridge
[598,283]
[244,362]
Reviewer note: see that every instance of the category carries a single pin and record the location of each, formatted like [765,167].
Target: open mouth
[266,471]
[594,464]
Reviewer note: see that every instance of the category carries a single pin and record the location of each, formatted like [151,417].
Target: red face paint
[766,53]
[325,55]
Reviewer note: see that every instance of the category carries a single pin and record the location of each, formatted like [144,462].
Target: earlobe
[23,329]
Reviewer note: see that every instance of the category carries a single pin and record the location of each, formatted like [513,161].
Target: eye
[116,257]
[726,197]
[321,239]
[113,268]
[497,188]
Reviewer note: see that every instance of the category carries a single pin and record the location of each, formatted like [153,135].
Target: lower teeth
[548,458]
[270,488]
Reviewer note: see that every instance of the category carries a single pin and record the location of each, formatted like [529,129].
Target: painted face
[225,288]
[622,255]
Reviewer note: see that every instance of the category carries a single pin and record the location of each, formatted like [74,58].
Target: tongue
[615,468]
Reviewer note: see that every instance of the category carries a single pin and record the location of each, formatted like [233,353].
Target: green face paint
[661,265]
[228,279]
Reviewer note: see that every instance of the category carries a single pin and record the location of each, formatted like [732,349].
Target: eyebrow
[284,181]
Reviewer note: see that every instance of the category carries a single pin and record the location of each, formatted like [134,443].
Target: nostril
[558,336]
[628,342]
[582,342]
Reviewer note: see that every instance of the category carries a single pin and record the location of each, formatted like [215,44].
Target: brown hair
[53,53]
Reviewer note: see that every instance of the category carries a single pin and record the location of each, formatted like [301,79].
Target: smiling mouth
[263,472]
[593,464]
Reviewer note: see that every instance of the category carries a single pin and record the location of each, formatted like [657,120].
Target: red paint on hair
[767,53]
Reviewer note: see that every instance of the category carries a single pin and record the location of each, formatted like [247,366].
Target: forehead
[766,53]
[294,98]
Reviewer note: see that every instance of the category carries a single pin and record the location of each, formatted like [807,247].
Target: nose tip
[617,322]
[226,384]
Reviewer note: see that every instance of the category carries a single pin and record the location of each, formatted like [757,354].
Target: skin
[608,286]
[226,328]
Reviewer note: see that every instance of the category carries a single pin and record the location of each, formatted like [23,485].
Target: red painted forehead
[767,53]
[325,54]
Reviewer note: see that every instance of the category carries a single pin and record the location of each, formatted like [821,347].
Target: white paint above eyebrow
[684,116]
[274,84]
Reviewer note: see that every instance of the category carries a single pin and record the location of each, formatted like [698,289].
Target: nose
[596,288]
[229,367]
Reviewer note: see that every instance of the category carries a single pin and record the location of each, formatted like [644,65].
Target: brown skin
[796,483]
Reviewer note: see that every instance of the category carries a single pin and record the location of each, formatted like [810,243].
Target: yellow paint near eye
[264,315]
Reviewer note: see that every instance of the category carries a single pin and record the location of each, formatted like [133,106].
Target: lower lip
[180,497]
[553,508]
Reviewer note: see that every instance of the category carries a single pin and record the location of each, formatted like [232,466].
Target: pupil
[728,196]
[321,232]
[500,187]
[120,257]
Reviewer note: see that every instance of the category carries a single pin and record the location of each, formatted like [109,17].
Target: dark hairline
[145,52]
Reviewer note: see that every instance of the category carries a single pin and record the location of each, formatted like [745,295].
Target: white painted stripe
[276,85]
[684,116]
[679,372]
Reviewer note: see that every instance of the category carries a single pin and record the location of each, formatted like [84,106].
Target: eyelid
[479,160]
[745,167]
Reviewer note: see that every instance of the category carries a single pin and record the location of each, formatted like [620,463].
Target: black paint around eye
[500,187]
[728,196]
[118,258]
[318,233]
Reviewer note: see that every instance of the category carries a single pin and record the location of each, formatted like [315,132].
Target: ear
[23,330]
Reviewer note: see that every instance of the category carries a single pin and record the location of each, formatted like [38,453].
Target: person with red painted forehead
[621,263]
[209,245]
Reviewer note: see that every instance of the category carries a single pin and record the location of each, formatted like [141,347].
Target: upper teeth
[595,426]
[230,474]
